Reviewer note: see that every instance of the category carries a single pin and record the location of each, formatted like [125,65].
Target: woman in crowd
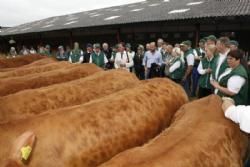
[234,81]
[176,70]
[205,68]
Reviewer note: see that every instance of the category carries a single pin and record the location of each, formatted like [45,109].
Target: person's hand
[227,102]
[215,84]
[208,71]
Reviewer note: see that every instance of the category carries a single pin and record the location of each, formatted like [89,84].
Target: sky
[15,12]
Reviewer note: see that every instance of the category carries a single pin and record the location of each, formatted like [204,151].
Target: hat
[128,45]
[233,42]
[89,45]
[202,40]
[97,45]
[187,43]
[212,38]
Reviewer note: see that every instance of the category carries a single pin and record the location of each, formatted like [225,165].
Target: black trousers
[203,92]
[140,73]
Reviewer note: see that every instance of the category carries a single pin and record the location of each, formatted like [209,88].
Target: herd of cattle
[81,116]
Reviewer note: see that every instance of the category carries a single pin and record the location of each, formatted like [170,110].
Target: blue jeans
[195,80]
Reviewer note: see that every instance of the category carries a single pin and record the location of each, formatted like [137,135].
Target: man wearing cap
[188,65]
[61,55]
[86,55]
[211,40]
[98,57]
[234,45]
[76,55]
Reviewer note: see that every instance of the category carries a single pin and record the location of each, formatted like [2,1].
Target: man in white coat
[123,59]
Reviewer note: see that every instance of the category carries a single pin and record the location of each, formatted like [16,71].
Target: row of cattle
[81,116]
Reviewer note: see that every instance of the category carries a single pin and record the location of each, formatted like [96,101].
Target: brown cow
[199,136]
[76,92]
[35,63]
[16,84]
[19,61]
[34,69]
[90,134]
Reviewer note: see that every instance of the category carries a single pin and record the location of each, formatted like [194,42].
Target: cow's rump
[199,136]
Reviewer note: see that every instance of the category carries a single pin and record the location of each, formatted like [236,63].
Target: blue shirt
[150,58]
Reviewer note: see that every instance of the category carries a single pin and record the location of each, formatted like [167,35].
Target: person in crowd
[108,52]
[114,51]
[138,60]
[67,51]
[188,65]
[222,46]
[152,62]
[159,44]
[98,57]
[32,50]
[132,53]
[239,114]
[164,55]
[176,66]
[147,46]
[61,54]
[168,59]
[13,52]
[199,53]
[76,55]
[123,59]
[234,45]
[211,40]
[233,82]
[46,50]
[40,49]
[205,69]
[24,51]
[89,51]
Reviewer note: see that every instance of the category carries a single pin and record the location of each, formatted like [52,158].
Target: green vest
[222,69]
[188,52]
[204,80]
[75,55]
[178,73]
[242,97]
[98,60]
